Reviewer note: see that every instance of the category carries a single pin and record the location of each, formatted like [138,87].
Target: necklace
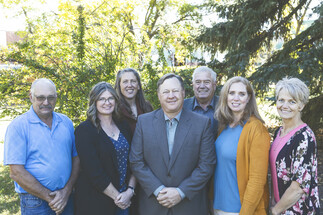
[285,131]
[110,130]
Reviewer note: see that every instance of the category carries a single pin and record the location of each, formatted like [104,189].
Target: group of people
[197,156]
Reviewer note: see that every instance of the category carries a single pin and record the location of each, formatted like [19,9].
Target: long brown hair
[224,114]
[94,95]
[140,98]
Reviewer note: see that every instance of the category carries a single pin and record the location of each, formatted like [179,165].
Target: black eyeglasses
[104,100]
[43,98]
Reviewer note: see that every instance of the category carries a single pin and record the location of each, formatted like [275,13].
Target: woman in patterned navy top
[293,154]
[105,185]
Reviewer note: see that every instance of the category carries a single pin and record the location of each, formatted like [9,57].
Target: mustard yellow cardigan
[252,168]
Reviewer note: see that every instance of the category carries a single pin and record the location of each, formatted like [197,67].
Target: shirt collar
[33,117]
[196,103]
[176,117]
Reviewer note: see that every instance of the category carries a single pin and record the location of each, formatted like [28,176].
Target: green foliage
[248,34]
[9,200]
[80,45]
[150,76]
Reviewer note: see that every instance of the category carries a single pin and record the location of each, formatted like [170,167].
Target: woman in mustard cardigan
[242,148]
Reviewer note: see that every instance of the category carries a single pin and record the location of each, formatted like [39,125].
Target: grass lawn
[9,200]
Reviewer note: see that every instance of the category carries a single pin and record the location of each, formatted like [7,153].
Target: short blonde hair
[295,87]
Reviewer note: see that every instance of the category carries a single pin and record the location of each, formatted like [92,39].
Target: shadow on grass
[9,199]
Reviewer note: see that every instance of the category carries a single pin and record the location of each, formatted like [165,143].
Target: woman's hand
[289,198]
[273,211]
[272,205]
[123,199]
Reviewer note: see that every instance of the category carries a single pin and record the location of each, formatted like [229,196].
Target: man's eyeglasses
[43,98]
[104,100]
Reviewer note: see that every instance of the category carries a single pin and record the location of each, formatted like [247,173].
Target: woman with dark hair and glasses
[105,185]
[132,100]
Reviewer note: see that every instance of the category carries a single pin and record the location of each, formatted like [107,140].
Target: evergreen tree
[248,35]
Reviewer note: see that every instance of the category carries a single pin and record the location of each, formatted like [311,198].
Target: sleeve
[259,141]
[304,159]
[85,140]
[148,181]
[205,167]
[180,193]
[156,192]
[15,145]
[71,129]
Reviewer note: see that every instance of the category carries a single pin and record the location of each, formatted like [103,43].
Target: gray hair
[295,87]
[204,69]
[40,80]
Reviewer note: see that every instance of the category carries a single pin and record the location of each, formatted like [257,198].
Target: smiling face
[171,96]
[43,99]
[105,104]
[204,87]
[238,98]
[129,85]
[287,106]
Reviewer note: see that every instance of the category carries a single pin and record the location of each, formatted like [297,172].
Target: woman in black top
[105,185]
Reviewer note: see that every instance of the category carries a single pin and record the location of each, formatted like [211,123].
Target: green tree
[83,43]
[250,31]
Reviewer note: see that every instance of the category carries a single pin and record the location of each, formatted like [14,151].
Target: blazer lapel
[182,130]
[161,135]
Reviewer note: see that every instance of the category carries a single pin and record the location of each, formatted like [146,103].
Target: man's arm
[205,167]
[29,183]
[148,181]
[15,148]
[169,197]
[61,196]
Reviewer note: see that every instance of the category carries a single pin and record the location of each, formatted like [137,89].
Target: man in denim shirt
[204,100]
[40,150]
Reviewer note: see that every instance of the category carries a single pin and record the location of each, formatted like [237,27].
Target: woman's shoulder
[304,133]
[254,122]
[255,127]
[87,124]
[121,123]
[277,131]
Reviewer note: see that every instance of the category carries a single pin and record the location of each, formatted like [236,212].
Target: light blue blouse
[226,191]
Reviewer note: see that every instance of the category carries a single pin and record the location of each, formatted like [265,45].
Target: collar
[196,103]
[176,117]
[33,117]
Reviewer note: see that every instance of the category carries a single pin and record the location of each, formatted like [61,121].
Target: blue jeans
[32,205]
